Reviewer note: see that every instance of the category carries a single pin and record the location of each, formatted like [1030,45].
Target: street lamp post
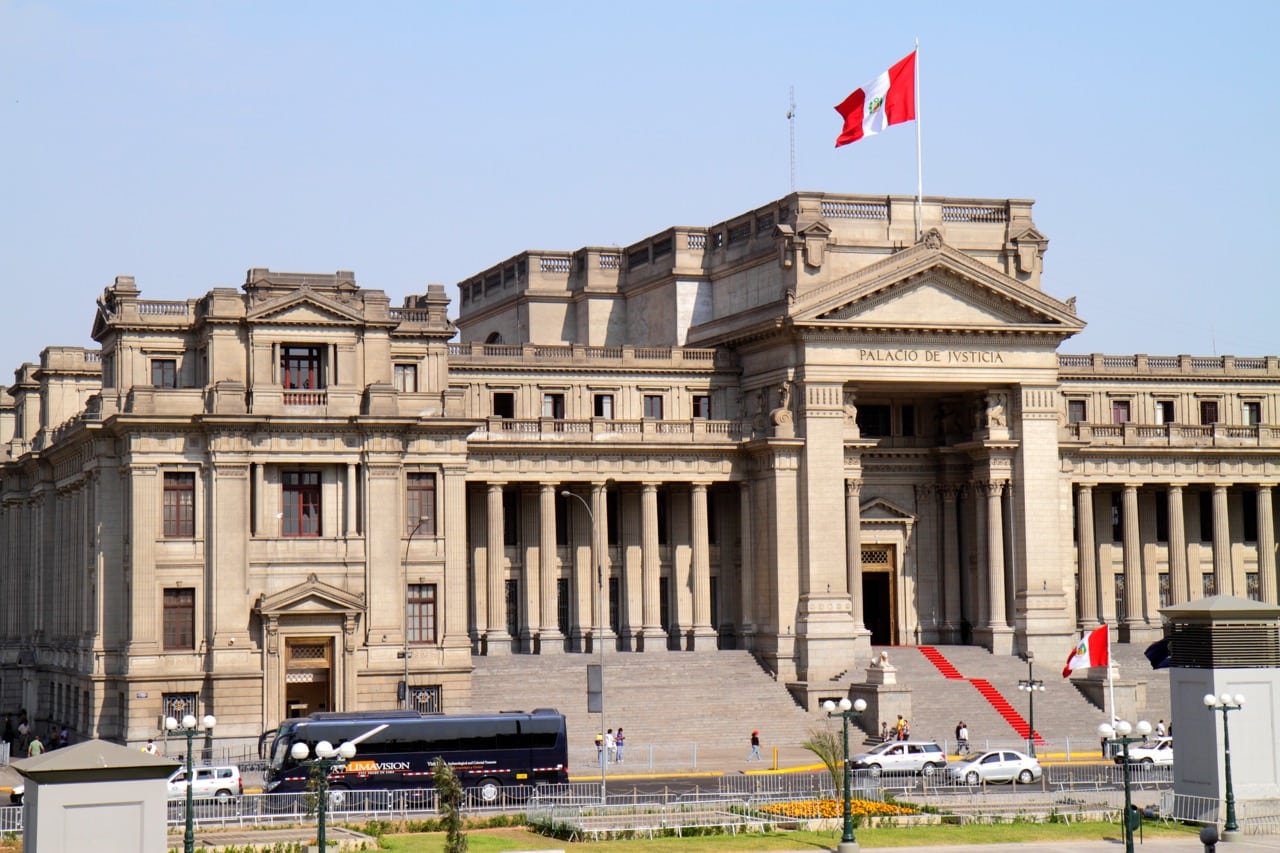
[599,639]
[1226,703]
[847,711]
[1031,684]
[189,729]
[406,654]
[1120,734]
[326,759]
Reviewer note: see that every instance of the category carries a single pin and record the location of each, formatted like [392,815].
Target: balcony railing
[534,353]
[605,429]
[1176,435]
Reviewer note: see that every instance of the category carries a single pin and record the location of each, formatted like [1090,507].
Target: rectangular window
[653,406]
[611,521]
[1119,411]
[664,604]
[1208,412]
[426,699]
[406,379]
[615,602]
[1209,584]
[1117,517]
[562,606]
[1206,516]
[602,406]
[164,372]
[512,594]
[664,528]
[179,505]
[180,619]
[563,509]
[504,404]
[1252,412]
[1164,411]
[510,517]
[176,705]
[908,421]
[300,367]
[553,406]
[1249,515]
[1077,411]
[420,504]
[422,612]
[300,503]
[702,406]
[1162,516]
[874,420]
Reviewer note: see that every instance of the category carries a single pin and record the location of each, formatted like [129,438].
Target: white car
[995,765]
[1158,752]
[914,756]
[219,783]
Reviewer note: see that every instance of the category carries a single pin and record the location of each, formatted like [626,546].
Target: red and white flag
[888,99]
[1094,649]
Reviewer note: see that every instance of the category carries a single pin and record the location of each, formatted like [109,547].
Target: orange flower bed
[813,809]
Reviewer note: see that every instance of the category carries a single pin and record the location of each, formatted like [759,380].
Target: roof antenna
[791,120]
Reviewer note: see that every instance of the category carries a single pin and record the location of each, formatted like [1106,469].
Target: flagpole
[1111,684]
[919,160]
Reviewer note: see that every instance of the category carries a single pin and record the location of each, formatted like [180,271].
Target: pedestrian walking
[619,740]
[1160,729]
[755,747]
[150,748]
[962,738]
[35,747]
[884,731]
[599,747]
[610,745]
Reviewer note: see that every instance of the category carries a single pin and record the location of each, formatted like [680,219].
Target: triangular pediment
[934,287]
[310,596]
[881,510]
[306,308]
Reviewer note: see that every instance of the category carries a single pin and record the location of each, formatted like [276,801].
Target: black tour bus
[486,751]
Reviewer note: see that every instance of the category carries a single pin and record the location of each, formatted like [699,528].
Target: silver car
[914,756]
[995,765]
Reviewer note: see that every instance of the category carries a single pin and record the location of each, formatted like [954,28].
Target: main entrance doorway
[879,594]
[308,675]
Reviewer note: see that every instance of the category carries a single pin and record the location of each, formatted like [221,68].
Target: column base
[497,645]
[550,643]
[704,639]
[653,641]
[997,638]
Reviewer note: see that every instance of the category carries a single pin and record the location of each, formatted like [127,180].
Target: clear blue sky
[415,142]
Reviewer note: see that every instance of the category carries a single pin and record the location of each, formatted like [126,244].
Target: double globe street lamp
[846,710]
[1225,703]
[189,729]
[327,758]
[1031,685]
[1120,734]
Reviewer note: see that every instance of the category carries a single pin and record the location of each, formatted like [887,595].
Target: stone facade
[829,422]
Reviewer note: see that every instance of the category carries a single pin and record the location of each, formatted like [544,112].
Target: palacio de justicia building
[828,423]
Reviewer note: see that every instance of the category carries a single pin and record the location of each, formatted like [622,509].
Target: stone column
[704,636]
[746,568]
[654,638]
[601,571]
[632,553]
[1134,599]
[853,550]
[530,558]
[1179,583]
[478,586]
[498,642]
[144,488]
[1223,575]
[552,641]
[454,637]
[350,525]
[1087,557]
[1266,545]
[952,596]
[995,556]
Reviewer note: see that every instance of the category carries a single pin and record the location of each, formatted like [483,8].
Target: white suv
[915,756]
[221,783]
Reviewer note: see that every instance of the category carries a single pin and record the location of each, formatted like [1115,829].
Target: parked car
[995,765]
[221,783]
[15,796]
[915,756]
[1159,751]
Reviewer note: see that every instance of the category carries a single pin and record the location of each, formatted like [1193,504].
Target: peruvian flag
[1094,649]
[888,99]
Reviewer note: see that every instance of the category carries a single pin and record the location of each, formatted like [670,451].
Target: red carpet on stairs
[993,696]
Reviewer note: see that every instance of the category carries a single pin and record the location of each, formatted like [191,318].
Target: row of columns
[590,605]
[1179,579]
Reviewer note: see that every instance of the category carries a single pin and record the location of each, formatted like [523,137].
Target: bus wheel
[490,789]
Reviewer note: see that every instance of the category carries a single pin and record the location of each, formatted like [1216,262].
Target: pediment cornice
[310,596]
[304,307]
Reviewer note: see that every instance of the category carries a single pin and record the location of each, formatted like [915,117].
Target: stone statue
[995,411]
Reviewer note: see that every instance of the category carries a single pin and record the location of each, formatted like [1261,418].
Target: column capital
[852,488]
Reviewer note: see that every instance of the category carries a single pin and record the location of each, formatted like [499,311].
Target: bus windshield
[485,751]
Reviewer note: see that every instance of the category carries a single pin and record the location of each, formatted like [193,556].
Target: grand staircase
[709,702]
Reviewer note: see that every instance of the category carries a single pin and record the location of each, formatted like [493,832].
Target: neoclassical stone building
[802,431]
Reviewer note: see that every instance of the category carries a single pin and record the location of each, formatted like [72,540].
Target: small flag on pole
[888,99]
[1094,649]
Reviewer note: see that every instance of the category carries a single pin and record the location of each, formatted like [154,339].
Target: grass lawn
[496,840]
